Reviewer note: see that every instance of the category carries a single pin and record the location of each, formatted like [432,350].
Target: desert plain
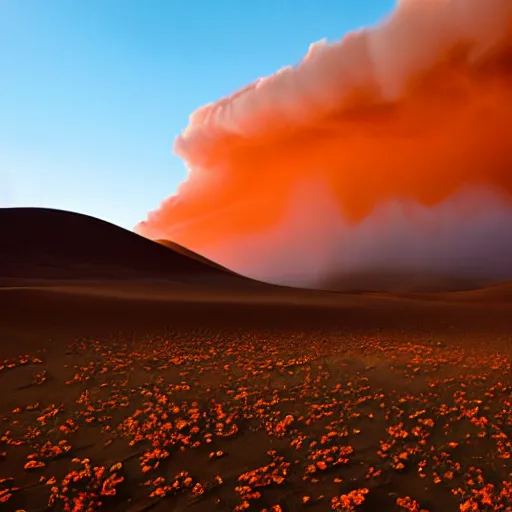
[137,377]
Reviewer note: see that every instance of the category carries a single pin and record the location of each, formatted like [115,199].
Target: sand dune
[403,281]
[190,254]
[64,249]
[497,293]
[50,244]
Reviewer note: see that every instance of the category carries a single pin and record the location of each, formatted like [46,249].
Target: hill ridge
[49,243]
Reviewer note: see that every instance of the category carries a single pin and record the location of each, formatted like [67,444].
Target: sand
[90,308]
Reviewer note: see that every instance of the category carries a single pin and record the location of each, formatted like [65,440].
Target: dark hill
[39,243]
[191,254]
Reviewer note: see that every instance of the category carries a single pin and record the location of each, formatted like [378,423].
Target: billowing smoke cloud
[386,155]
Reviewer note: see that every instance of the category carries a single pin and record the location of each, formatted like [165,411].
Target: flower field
[235,421]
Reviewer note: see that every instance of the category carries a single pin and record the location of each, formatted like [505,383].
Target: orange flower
[198,489]
[34,464]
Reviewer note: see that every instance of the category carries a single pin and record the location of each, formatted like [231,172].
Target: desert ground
[191,388]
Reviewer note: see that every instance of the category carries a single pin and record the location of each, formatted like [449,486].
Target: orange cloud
[416,108]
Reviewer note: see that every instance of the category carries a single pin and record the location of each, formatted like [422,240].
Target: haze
[399,132]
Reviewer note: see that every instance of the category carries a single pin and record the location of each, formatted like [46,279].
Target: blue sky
[93,92]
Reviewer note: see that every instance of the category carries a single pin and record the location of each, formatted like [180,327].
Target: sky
[93,93]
